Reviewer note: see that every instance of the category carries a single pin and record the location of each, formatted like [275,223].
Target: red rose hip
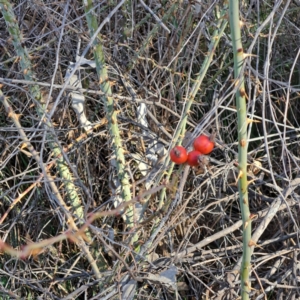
[204,144]
[193,158]
[178,155]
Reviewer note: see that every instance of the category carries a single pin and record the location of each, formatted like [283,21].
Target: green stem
[25,63]
[13,28]
[238,54]
[111,112]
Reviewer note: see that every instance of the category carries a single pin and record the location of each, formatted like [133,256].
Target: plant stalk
[110,108]
[35,93]
[239,57]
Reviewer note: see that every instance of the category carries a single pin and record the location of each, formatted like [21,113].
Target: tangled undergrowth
[179,234]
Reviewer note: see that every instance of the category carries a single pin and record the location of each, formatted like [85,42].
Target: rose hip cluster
[202,145]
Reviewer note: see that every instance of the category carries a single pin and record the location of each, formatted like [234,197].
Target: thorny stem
[110,108]
[238,54]
[28,73]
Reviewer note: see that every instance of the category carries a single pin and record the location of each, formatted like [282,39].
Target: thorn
[253,244]
[253,217]
[242,92]
[23,146]
[245,55]
[250,181]
[248,286]
[239,176]
[252,121]
[18,116]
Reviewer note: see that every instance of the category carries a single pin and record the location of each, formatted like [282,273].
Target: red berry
[204,144]
[178,155]
[193,158]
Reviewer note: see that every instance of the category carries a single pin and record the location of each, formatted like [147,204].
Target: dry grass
[197,233]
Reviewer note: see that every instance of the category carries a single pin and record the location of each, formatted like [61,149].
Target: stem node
[243,143]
